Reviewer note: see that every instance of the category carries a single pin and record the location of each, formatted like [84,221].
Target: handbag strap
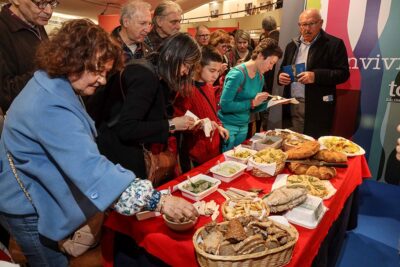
[208,100]
[21,184]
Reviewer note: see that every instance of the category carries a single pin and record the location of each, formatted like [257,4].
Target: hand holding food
[183,123]
[260,98]
[177,209]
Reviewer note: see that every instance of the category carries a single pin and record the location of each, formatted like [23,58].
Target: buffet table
[176,249]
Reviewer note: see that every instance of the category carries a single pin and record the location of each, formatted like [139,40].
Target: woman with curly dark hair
[53,177]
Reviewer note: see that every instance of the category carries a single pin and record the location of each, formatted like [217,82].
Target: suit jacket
[18,43]
[327,58]
[52,141]
[139,118]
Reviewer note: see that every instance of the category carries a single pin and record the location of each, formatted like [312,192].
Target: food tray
[281,179]
[228,177]
[273,257]
[227,217]
[201,195]
[263,143]
[266,170]
[229,154]
[308,214]
[324,139]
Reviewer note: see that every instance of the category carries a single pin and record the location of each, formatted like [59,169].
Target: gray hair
[162,7]
[241,34]
[269,23]
[199,27]
[131,8]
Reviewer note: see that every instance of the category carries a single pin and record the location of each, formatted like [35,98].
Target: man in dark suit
[327,65]
[21,31]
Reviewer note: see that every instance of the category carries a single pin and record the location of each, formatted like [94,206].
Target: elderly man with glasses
[21,30]
[166,22]
[202,35]
[326,63]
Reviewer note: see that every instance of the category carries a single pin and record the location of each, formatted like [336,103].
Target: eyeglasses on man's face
[43,4]
[204,36]
[310,24]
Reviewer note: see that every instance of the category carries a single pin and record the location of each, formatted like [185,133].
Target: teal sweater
[237,94]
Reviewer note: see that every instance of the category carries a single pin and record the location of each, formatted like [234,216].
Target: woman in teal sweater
[242,92]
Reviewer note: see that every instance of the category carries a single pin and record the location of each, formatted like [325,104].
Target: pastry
[313,185]
[321,172]
[330,156]
[303,151]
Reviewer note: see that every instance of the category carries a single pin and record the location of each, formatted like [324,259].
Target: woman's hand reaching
[222,131]
[177,208]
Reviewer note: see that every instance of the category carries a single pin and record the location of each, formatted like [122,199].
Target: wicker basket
[259,173]
[274,257]
[226,217]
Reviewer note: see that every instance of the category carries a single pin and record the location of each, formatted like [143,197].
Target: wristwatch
[171,126]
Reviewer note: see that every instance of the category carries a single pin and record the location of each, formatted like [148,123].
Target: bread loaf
[321,172]
[330,156]
[303,151]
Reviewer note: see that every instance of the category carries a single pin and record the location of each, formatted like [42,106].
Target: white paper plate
[360,152]
[282,178]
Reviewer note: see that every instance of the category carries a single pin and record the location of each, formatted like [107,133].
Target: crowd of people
[137,84]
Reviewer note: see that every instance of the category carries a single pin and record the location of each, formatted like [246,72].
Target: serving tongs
[318,163]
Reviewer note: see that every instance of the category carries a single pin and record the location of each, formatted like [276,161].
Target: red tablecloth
[176,249]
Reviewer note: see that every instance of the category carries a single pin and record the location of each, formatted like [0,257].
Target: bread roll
[330,156]
[303,151]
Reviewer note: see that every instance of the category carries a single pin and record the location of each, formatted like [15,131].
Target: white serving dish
[308,214]
[201,195]
[229,154]
[228,177]
[262,143]
[360,151]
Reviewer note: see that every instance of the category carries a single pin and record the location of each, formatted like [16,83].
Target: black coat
[18,43]
[139,119]
[327,58]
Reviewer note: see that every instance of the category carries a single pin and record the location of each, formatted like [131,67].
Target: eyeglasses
[225,46]
[43,4]
[205,36]
[311,24]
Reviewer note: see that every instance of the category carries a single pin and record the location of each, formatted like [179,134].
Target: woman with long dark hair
[142,117]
